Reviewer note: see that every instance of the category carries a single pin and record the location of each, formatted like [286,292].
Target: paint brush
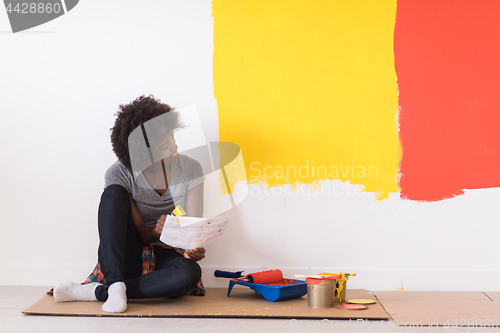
[321,277]
[305,276]
[333,273]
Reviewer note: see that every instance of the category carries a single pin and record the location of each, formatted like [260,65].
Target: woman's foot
[117,298]
[71,291]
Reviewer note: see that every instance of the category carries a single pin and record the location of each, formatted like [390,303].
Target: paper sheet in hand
[193,232]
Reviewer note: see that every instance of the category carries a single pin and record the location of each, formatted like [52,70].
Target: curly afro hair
[132,115]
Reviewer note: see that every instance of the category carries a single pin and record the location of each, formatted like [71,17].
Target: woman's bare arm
[194,201]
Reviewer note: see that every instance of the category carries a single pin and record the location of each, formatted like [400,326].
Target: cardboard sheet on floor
[495,296]
[243,302]
[439,308]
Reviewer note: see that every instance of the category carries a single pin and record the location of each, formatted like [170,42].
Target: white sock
[117,298]
[71,291]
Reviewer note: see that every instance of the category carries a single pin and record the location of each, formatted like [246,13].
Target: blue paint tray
[289,288]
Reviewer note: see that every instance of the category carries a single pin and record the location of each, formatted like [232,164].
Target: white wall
[61,84]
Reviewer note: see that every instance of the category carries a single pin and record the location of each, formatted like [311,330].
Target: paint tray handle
[231,285]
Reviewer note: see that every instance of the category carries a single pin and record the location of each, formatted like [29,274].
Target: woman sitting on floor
[138,194]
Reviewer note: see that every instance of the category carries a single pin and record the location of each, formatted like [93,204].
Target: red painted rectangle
[447,58]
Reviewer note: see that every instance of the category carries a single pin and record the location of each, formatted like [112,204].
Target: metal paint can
[321,292]
[340,297]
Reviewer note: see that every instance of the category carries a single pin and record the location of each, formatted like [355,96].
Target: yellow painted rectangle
[308,90]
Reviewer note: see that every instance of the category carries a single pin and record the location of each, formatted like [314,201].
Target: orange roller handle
[265,277]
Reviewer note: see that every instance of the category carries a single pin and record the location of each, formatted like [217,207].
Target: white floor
[13,300]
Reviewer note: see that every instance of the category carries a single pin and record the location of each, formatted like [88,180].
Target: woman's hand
[195,254]
[160,224]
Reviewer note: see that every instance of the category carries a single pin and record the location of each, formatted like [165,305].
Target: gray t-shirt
[185,174]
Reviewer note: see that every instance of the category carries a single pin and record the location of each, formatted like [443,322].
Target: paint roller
[265,277]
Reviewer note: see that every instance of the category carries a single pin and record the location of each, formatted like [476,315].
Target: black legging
[120,254]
